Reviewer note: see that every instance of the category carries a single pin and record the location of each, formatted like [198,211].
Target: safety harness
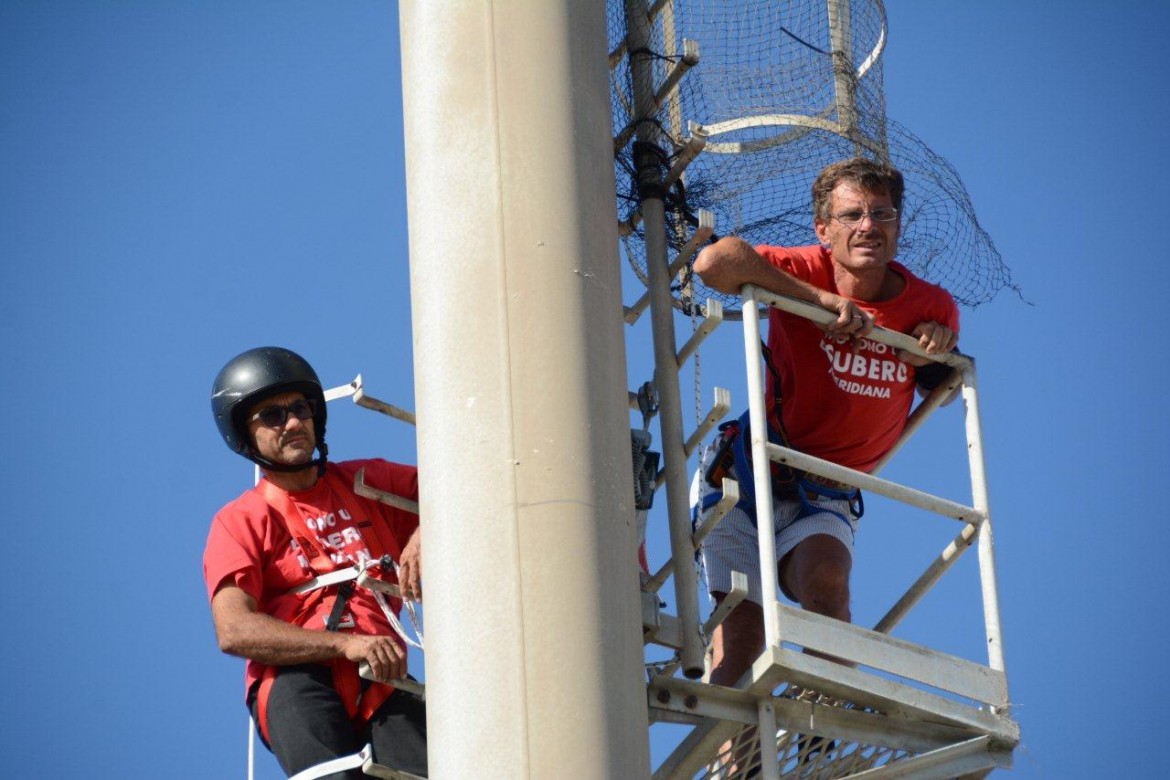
[360,705]
[733,459]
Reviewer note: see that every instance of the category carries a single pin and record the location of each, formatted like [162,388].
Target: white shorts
[733,545]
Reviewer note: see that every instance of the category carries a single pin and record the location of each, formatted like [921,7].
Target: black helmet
[253,376]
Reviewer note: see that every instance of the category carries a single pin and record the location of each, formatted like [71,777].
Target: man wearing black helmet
[304,641]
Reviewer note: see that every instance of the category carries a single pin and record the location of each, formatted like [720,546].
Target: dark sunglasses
[276,416]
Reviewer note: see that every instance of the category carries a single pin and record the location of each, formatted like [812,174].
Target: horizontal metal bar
[333,766]
[895,656]
[883,487]
[796,124]
[892,697]
[665,632]
[406,684]
[882,335]
[711,701]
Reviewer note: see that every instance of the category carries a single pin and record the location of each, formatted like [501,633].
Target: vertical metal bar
[762,476]
[251,748]
[844,78]
[769,760]
[686,589]
[981,501]
[670,41]
[256,474]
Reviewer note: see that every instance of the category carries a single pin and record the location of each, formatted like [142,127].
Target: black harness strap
[344,591]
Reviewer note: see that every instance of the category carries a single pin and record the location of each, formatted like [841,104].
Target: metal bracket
[739,591]
[718,412]
[408,685]
[369,402]
[703,232]
[711,321]
[690,58]
[730,498]
[398,502]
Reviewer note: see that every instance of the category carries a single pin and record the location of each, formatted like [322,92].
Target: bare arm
[935,339]
[243,630]
[410,567]
[730,263]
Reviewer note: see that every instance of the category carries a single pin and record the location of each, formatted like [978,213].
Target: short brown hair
[867,174]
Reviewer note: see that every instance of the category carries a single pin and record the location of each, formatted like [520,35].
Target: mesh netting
[766,91]
[801,755]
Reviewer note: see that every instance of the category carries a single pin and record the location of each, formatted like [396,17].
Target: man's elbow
[717,264]
[231,609]
[229,640]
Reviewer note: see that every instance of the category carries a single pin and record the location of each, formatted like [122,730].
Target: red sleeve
[942,307]
[807,263]
[952,319]
[233,553]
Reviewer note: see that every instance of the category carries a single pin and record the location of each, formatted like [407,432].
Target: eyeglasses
[276,416]
[854,217]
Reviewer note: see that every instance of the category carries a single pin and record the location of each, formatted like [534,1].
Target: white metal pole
[769,759]
[844,78]
[982,502]
[534,654]
[762,478]
[666,363]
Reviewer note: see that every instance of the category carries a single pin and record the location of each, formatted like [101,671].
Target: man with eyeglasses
[831,392]
[276,563]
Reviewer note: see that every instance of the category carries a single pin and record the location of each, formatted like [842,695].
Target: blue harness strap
[797,487]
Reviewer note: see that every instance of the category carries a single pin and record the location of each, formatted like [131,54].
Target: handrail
[976,516]
[824,317]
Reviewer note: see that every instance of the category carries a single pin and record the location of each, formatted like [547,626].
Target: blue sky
[180,181]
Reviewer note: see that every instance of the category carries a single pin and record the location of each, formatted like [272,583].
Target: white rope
[396,624]
[359,572]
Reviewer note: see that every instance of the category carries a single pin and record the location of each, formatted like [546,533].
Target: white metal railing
[977,516]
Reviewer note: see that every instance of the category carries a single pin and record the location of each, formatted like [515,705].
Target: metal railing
[976,517]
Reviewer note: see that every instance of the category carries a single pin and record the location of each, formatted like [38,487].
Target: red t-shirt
[249,546]
[844,405]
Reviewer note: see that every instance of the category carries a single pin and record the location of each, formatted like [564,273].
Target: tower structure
[534,660]
[535,611]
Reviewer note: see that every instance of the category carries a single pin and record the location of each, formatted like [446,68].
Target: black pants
[307,725]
